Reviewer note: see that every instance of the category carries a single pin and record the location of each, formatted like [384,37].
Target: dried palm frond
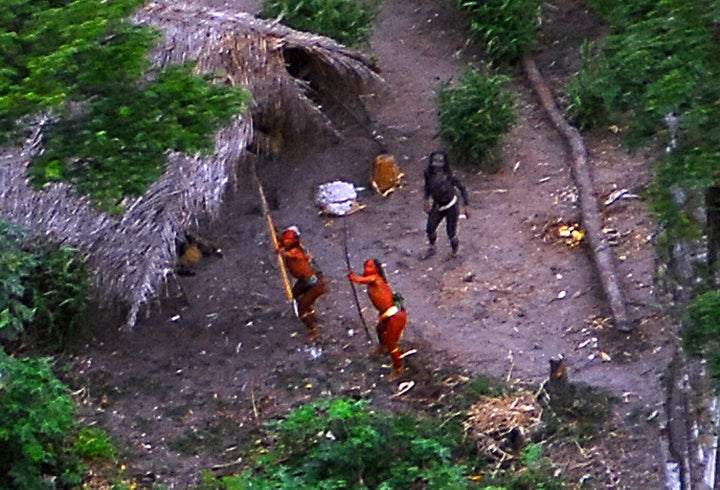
[500,426]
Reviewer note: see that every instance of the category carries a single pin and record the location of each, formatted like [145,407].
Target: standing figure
[442,190]
[392,315]
[310,284]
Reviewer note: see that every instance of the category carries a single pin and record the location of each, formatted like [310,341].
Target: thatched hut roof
[131,257]
[280,66]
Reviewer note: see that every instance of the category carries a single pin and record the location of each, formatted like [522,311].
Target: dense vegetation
[112,117]
[43,291]
[341,442]
[57,289]
[345,443]
[505,29]
[43,296]
[701,336]
[41,444]
[655,77]
[474,115]
[346,21]
[36,417]
[15,266]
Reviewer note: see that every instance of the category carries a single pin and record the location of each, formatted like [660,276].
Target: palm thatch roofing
[133,256]
[280,66]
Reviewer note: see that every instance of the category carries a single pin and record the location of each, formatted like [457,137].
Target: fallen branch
[592,220]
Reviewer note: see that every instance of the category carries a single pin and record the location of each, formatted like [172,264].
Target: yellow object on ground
[386,174]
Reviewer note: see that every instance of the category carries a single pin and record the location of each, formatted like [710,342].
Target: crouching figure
[191,250]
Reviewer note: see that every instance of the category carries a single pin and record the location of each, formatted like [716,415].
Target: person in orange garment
[392,313]
[310,284]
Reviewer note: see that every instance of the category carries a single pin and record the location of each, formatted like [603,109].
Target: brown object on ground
[192,250]
[190,257]
[500,426]
[592,220]
[558,373]
[558,387]
[386,174]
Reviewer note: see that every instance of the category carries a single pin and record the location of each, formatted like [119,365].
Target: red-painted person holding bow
[392,314]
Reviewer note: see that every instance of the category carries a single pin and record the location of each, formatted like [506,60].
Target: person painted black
[443,192]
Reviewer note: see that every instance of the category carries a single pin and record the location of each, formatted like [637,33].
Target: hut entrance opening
[325,87]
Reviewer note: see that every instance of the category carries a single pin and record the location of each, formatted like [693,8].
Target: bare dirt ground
[184,388]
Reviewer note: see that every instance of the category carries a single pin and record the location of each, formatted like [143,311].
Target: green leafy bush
[701,335]
[16,266]
[347,21]
[690,168]
[341,443]
[651,67]
[57,290]
[113,119]
[474,115]
[344,443]
[54,51]
[95,444]
[43,290]
[592,94]
[36,426]
[506,28]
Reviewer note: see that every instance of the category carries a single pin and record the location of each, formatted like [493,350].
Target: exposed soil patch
[187,385]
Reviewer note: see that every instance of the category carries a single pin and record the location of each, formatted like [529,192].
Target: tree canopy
[113,117]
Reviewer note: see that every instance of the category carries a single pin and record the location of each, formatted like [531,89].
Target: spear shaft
[352,284]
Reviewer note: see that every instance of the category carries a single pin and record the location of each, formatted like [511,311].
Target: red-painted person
[310,284]
[392,314]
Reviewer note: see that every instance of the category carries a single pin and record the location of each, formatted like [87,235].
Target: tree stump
[559,388]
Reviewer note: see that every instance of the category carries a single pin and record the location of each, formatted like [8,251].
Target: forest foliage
[345,443]
[42,445]
[654,77]
[113,117]
[349,22]
[505,29]
[44,291]
[701,337]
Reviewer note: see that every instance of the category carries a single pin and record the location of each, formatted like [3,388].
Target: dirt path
[188,382]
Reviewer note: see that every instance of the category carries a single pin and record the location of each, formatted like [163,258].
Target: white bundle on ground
[337,198]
